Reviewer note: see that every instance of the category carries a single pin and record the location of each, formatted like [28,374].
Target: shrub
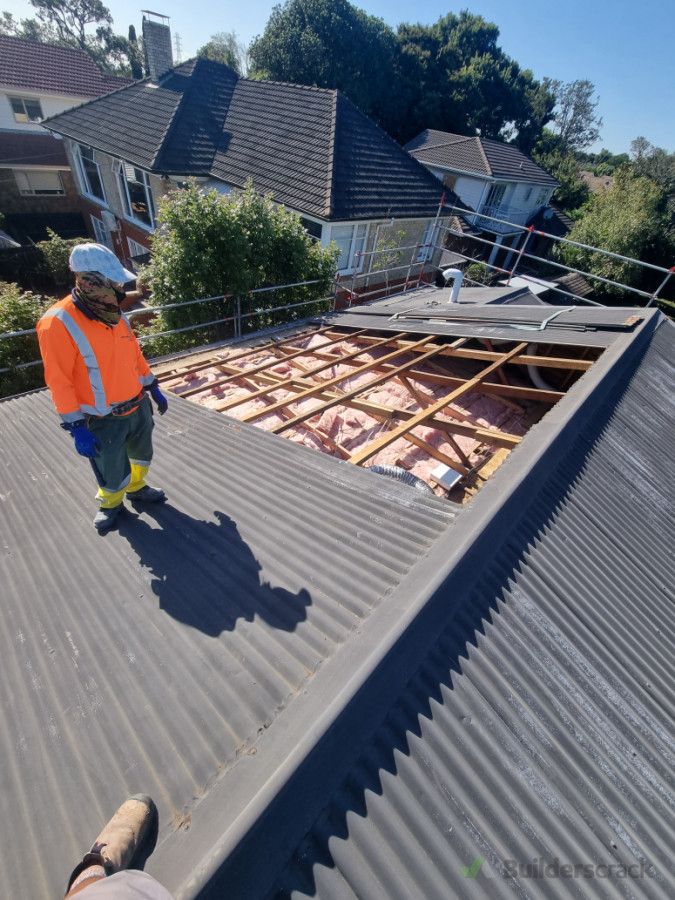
[55,253]
[210,245]
[19,311]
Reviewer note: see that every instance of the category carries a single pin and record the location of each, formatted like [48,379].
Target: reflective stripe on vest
[100,407]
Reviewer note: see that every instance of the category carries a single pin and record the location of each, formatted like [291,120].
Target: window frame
[127,204]
[32,191]
[83,176]
[25,118]
[430,237]
[103,236]
[355,239]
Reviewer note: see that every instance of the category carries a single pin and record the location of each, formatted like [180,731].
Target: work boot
[147,494]
[126,841]
[106,518]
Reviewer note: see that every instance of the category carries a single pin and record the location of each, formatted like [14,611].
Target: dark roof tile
[45,68]
[477,156]
[311,148]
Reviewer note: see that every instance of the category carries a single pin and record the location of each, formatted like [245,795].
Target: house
[310,148]
[336,685]
[505,187]
[36,186]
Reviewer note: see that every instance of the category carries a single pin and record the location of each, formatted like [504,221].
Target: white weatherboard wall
[51,105]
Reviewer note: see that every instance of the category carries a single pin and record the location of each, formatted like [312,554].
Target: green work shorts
[124,440]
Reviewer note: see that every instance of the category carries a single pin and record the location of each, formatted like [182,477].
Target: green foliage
[209,245]
[479,272]
[575,122]
[627,220]
[56,253]
[330,44]
[225,47]
[551,155]
[19,311]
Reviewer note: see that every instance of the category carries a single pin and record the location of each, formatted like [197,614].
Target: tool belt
[121,409]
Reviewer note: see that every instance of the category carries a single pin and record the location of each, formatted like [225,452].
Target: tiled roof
[478,156]
[310,147]
[26,149]
[45,68]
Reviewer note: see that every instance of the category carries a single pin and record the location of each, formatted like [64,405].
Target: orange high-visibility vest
[89,366]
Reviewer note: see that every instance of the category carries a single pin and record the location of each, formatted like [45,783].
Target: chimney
[157,42]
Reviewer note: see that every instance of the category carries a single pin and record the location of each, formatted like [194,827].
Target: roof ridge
[479,139]
[332,149]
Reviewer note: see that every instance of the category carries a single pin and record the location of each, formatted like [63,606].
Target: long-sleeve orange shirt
[89,366]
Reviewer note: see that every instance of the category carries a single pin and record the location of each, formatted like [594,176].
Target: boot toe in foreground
[106,519]
[129,837]
[147,494]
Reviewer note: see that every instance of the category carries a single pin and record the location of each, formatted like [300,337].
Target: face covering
[98,296]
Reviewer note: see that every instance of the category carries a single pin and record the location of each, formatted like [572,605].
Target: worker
[98,380]
[112,869]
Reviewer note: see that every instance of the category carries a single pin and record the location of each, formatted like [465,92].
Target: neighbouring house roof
[373,685]
[478,156]
[310,147]
[45,68]
[31,150]
[552,220]
[597,182]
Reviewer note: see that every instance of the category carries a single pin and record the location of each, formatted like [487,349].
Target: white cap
[97,258]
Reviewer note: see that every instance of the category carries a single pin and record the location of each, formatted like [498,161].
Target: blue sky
[625,48]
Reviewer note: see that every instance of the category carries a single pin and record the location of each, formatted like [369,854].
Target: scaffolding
[418,269]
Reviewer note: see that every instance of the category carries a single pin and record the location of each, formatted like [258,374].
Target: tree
[209,245]
[575,122]
[550,153]
[628,220]
[330,44]
[225,47]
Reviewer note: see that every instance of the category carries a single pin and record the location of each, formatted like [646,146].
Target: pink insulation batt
[341,430]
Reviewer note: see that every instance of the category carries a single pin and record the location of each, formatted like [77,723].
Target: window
[136,195]
[138,254]
[494,198]
[427,248]
[313,229]
[102,233]
[351,241]
[26,109]
[39,182]
[89,171]
[542,197]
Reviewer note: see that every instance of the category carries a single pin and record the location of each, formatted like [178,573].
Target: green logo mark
[473,870]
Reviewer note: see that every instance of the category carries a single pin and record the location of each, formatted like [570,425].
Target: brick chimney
[157,42]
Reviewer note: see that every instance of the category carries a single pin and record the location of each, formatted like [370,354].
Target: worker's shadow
[205,574]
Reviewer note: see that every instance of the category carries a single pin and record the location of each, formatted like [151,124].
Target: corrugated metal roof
[334,685]
[527,712]
[496,313]
[152,660]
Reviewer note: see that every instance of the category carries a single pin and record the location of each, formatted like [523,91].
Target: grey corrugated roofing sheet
[536,725]
[495,313]
[156,658]
[477,155]
[310,147]
[333,685]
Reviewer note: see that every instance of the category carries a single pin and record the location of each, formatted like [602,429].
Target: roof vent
[157,43]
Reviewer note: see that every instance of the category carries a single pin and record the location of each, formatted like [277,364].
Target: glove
[86,443]
[158,397]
